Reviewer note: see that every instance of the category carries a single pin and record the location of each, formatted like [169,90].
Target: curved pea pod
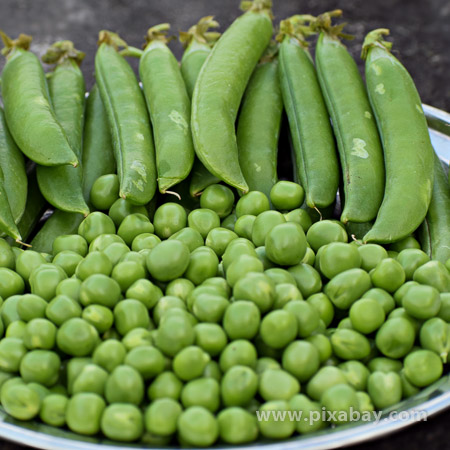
[28,110]
[98,156]
[170,109]
[14,172]
[7,224]
[258,127]
[219,90]
[200,179]
[58,224]
[128,121]
[404,134]
[434,233]
[62,186]
[355,129]
[312,138]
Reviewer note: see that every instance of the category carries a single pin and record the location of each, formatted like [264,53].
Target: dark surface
[420,31]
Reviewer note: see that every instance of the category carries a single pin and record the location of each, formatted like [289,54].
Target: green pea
[253,203]
[105,191]
[134,225]
[322,344]
[356,374]
[435,336]
[388,275]
[109,354]
[212,370]
[395,338]
[422,302]
[16,329]
[301,359]
[190,363]
[325,378]
[322,304]
[99,289]
[161,416]
[382,297]
[165,304]
[122,208]
[126,273]
[244,226]
[61,309]
[20,402]
[280,276]
[168,260]
[100,317]
[241,320]
[92,378]
[242,266]
[68,261]
[444,310]
[239,385]
[365,402]
[124,385]
[422,367]
[382,364]
[309,410]
[203,220]
[371,255]
[255,287]
[11,283]
[103,241]
[411,259]
[181,288]
[366,315]
[129,314]
[30,307]
[219,238]
[84,412]
[209,307]
[94,263]
[8,311]
[239,352]
[122,422]
[384,388]
[349,344]
[26,262]
[40,366]
[144,291]
[138,337]
[218,198]
[229,221]
[69,287]
[12,350]
[175,332]
[218,283]
[147,360]
[73,242]
[279,328]
[197,427]
[340,400]
[145,241]
[274,428]
[307,278]
[73,368]
[165,385]
[203,264]
[310,257]
[307,317]
[237,426]
[265,363]
[203,392]
[299,216]
[116,251]
[45,279]
[434,274]
[94,225]
[7,258]
[189,236]
[338,257]
[325,232]
[39,333]
[53,410]
[347,287]
[286,195]
[263,224]
[210,337]
[76,337]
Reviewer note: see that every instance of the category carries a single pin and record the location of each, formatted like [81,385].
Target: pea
[44,280]
[244,226]
[26,262]
[307,278]
[190,363]
[279,328]
[242,266]
[237,426]
[203,392]
[144,291]
[147,360]
[134,225]
[124,385]
[286,195]
[371,255]
[422,302]
[435,336]
[203,220]
[39,333]
[365,402]
[8,311]
[7,258]
[422,367]
[168,260]
[263,224]
[340,400]
[161,416]
[16,329]
[388,275]
[253,203]
[322,304]
[11,283]
[99,289]
[181,288]
[76,337]
[408,389]
[434,274]
[174,333]
[384,388]
[366,315]
[347,287]
[324,379]
[20,402]
[109,354]
[356,374]
[145,241]
[212,370]
[53,410]
[444,310]
[169,219]
[218,198]
[395,338]
[241,320]
[129,314]
[219,283]
[40,366]
[94,225]
[309,409]
[122,422]
[68,261]
[322,344]
[69,287]
[382,364]
[94,263]
[299,216]
[105,191]
[61,309]
[257,288]
[229,221]
[209,308]
[338,257]
[103,241]
[116,251]
[165,304]
[219,238]
[307,317]
[165,385]
[411,259]
[203,264]
[236,249]
[210,337]
[238,352]
[349,344]
[100,317]
[30,307]
[189,236]
[12,350]
[325,232]
[121,208]
[301,359]
[92,378]
[197,427]
[279,276]
[273,428]
[382,297]
[84,412]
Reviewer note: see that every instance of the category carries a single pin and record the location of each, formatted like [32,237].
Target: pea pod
[219,90]
[201,178]
[13,164]
[170,109]
[434,232]
[259,123]
[353,123]
[28,110]
[404,134]
[7,224]
[98,155]
[314,152]
[61,186]
[128,120]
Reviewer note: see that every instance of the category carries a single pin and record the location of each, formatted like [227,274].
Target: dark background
[420,30]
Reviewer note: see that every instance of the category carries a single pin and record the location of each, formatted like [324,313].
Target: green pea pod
[404,134]
[219,89]
[28,110]
[312,138]
[201,178]
[61,186]
[170,109]
[98,155]
[354,126]
[128,121]
[434,233]
[13,164]
[258,126]
[7,224]
[58,224]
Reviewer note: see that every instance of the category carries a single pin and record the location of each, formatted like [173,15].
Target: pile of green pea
[183,326]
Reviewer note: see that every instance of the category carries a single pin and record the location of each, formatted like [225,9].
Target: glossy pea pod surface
[62,186]
[98,155]
[13,164]
[219,90]
[355,129]
[312,137]
[170,112]
[7,224]
[258,128]
[434,232]
[408,153]
[29,112]
[129,124]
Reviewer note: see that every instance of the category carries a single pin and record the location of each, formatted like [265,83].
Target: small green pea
[105,191]
[244,226]
[198,427]
[263,224]
[241,320]
[40,366]
[122,422]
[371,255]
[96,224]
[165,385]
[422,302]
[286,195]
[325,232]
[340,400]
[53,410]
[218,198]
[161,416]
[237,426]
[168,260]
[273,428]
[76,337]
[239,386]
[325,378]
[384,388]
[238,352]
[395,338]
[388,275]
[121,208]
[366,315]
[109,354]
[84,412]
[144,291]
[253,203]
[219,238]
[279,328]
[124,385]
[299,216]
[301,359]
[61,309]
